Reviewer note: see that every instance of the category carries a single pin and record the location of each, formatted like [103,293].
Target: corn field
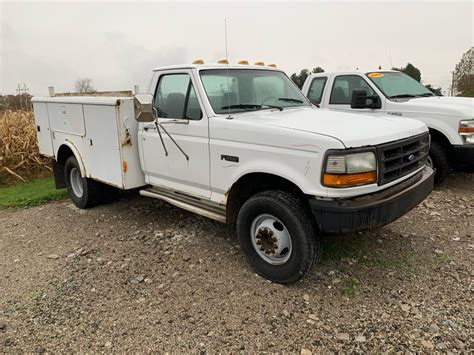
[20,160]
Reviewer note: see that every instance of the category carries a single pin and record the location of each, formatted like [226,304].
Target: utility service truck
[450,119]
[240,144]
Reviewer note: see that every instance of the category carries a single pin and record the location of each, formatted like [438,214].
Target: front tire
[278,236]
[439,160]
[84,192]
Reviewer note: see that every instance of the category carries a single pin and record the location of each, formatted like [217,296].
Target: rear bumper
[463,154]
[372,210]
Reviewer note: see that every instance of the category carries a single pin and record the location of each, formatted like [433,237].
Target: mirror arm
[158,126]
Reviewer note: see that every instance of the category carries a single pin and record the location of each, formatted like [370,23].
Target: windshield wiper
[273,106]
[401,96]
[426,94]
[243,106]
[251,107]
[289,99]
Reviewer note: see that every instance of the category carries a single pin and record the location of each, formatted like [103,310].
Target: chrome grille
[399,158]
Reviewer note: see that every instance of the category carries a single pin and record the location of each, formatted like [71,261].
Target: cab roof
[215,66]
[349,72]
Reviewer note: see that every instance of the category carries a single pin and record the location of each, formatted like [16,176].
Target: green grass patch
[31,193]
[351,285]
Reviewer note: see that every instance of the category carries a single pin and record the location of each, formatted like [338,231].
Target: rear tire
[439,161]
[84,192]
[278,236]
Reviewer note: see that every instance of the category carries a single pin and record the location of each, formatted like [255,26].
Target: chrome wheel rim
[76,182]
[271,239]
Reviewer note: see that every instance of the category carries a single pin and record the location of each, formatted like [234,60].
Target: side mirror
[143,107]
[360,98]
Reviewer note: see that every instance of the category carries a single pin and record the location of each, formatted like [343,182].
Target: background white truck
[450,119]
[240,144]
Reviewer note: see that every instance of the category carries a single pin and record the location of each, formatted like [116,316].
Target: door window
[315,92]
[175,98]
[344,85]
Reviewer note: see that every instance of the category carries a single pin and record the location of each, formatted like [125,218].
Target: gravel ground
[142,275]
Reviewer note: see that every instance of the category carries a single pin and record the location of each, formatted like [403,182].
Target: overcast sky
[117,44]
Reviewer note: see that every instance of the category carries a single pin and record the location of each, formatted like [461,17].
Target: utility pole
[22,91]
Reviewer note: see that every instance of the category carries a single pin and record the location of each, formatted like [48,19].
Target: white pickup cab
[450,119]
[242,145]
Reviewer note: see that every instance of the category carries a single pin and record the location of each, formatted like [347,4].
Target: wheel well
[251,184]
[437,136]
[64,153]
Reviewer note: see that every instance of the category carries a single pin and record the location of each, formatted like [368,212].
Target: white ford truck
[240,144]
[450,119]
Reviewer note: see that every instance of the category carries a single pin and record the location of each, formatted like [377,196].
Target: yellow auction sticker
[375,75]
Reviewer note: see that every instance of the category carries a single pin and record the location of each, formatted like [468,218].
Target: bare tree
[84,85]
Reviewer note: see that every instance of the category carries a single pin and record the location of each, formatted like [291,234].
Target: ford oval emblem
[411,157]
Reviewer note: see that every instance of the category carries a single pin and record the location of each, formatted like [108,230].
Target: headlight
[466,131]
[345,170]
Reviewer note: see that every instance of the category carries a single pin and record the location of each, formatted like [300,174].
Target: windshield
[239,90]
[396,84]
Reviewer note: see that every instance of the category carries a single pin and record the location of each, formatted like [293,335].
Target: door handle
[175,121]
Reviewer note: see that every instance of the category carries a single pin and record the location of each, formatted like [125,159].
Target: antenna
[390,56]
[229,117]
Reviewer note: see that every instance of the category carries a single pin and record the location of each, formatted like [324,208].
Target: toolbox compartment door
[43,130]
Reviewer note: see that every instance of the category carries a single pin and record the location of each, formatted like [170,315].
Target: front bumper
[372,210]
[463,154]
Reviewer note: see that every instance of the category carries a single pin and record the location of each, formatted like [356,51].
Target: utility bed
[101,131]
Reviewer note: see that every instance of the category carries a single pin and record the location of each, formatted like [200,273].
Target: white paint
[440,113]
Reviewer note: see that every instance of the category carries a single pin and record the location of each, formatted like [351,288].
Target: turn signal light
[198,61]
[223,61]
[466,129]
[345,180]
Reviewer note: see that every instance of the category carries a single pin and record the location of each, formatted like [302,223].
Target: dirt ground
[142,275]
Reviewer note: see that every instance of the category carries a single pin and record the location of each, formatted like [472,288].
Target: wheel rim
[271,239]
[76,182]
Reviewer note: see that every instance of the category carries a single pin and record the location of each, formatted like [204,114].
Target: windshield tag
[375,75]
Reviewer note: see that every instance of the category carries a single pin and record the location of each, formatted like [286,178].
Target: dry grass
[19,156]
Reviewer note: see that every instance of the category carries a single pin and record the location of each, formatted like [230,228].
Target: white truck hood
[352,129]
[459,107]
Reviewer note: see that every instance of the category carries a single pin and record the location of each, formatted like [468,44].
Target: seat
[338,96]
[174,105]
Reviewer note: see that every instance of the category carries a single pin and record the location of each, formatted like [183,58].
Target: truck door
[341,93]
[179,111]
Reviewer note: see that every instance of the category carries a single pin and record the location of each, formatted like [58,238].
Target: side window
[175,98]
[193,110]
[316,88]
[341,93]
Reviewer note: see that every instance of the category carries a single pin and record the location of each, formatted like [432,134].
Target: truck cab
[387,92]
[242,145]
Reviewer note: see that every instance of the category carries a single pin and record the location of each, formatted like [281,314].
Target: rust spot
[127,139]
[117,102]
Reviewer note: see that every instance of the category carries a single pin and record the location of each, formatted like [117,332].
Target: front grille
[397,159]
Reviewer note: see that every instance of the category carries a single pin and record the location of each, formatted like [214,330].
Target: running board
[192,205]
